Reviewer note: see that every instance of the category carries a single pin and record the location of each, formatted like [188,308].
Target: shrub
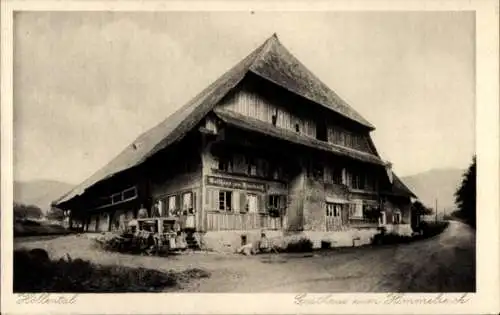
[430,229]
[35,274]
[301,245]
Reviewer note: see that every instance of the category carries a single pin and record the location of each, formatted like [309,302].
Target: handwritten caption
[389,299]
[46,298]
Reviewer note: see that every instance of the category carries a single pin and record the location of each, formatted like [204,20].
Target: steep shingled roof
[271,61]
[399,188]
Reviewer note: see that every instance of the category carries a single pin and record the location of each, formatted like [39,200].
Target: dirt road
[445,263]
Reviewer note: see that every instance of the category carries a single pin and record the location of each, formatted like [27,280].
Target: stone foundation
[399,229]
[230,241]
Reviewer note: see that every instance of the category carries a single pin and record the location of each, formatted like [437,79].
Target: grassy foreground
[35,272]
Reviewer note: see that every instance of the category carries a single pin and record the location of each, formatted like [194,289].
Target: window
[116,198]
[224,165]
[337,175]
[187,201]
[396,217]
[252,167]
[297,127]
[274,201]
[251,203]
[333,209]
[276,172]
[225,200]
[356,209]
[129,193]
[317,170]
[274,119]
[263,169]
[358,180]
[171,205]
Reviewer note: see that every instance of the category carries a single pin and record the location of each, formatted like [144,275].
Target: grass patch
[32,228]
[35,272]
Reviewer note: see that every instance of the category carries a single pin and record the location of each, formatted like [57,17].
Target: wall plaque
[235,183]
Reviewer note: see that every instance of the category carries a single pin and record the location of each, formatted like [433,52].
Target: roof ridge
[261,68]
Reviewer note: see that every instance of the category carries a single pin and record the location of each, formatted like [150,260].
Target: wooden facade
[219,176]
[217,221]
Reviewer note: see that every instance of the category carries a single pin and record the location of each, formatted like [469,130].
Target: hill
[39,192]
[439,184]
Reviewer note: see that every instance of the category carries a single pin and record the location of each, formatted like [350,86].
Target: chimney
[388,168]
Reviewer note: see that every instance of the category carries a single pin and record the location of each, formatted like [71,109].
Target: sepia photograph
[238,152]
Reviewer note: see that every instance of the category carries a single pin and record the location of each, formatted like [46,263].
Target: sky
[86,84]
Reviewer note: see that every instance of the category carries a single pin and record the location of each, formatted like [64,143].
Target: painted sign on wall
[235,183]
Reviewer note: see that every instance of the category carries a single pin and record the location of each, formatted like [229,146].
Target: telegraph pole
[436,209]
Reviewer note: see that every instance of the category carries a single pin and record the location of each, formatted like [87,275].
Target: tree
[55,214]
[420,209]
[465,196]
[22,211]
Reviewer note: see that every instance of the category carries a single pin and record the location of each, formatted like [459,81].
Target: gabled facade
[265,147]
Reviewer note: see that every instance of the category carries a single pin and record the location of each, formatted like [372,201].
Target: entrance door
[333,216]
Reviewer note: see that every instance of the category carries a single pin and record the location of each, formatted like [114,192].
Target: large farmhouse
[268,147]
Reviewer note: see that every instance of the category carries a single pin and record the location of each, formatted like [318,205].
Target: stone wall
[314,205]
[295,205]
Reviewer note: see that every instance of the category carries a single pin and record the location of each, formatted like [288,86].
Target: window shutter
[262,203]
[213,199]
[235,201]
[209,198]
[282,204]
[243,202]
[177,202]
[193,200]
